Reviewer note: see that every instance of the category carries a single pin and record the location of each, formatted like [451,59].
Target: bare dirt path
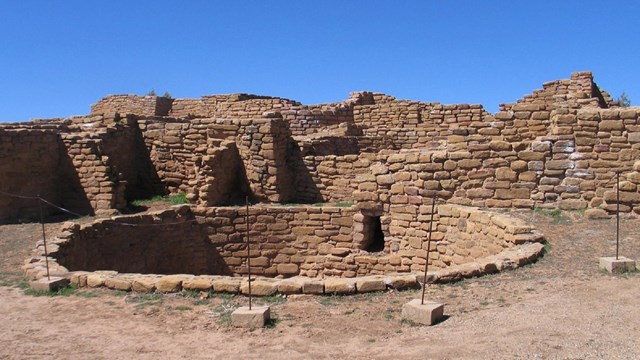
[562,307]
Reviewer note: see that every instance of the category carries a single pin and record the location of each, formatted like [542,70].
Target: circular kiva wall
[331,249]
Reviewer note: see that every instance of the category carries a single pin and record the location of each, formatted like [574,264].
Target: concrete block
[45,284]
[620,265]
[428,313]
[254,318]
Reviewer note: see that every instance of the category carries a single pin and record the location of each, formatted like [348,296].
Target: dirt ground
[561,307]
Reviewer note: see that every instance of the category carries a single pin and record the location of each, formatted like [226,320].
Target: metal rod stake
[44,238]
[426,263]
[617,213]
[248,248]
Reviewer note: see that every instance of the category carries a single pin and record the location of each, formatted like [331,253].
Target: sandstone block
[313,286]
[143,284]
[385,180]
[370,283]
[625,197]
[401,282]
[560,164]
[339,286]
[95,280]
[499,146]
[227,285]
[505,173]
[596,214]
[512,193]
[608,125]
[530,156]
[168,284]
[118,284]
[288,287]
[197,284]
[259,287]
[288,269]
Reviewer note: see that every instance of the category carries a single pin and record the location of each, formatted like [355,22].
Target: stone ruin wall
[316,242]
[28,167]
[558,147]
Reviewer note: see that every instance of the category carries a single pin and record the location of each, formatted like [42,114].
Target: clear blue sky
[59,57]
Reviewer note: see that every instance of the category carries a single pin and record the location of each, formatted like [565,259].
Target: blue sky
[59,57]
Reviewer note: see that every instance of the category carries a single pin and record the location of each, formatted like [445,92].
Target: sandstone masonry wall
[286,241]
[29,160]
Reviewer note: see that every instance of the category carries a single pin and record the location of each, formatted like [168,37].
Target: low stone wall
[320,247]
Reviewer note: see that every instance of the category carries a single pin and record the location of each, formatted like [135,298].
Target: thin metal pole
[426,263]
[44,238]
[248,248]
[617,213]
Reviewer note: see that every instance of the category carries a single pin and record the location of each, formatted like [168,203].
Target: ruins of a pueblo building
[340,194]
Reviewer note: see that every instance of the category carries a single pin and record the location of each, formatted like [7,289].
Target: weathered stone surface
[370,283]
[288,287]
[168,284]
[259,287]
[197,284]
[227,285]
[313,286]
[596,214]
[118,284]
[96,280]
[339,286]
[143,284]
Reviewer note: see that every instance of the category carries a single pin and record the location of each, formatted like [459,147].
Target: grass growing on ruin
[175,199]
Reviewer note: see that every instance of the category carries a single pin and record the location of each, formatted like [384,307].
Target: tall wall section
[558,147]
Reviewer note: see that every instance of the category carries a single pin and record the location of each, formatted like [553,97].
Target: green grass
[389,315]
[332,300]
[547,247]
[175,199]
[273,299]
[271,323]
[65,291]
[180,308]
[142,300]
[223,313]
[555,214]
[191,293]
[15,280]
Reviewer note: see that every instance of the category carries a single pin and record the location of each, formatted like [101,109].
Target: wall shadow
[172,249]
[131,158]
[71,194]
[306,190]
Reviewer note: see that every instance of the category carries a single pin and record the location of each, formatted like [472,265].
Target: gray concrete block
[428,313]
[257,317]
[620,265]
[45,284]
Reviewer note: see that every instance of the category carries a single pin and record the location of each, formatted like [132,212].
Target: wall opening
[373,235]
